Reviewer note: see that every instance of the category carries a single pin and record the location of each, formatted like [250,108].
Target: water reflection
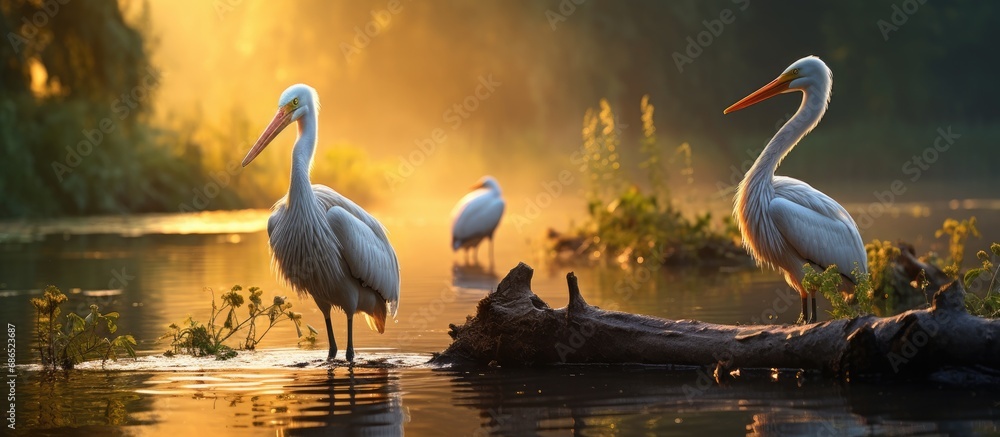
[314,402]
[73,401]
[158,279]
[360,401]
[474,277]
[598,400]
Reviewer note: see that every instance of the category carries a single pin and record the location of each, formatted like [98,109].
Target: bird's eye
[295,101]
[795,71]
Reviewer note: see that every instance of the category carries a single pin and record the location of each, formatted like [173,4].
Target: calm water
[156,270]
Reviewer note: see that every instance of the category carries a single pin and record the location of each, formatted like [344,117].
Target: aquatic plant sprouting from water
[200,339]
[81,339]
[625,222]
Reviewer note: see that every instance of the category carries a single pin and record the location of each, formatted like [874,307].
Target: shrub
[81,339]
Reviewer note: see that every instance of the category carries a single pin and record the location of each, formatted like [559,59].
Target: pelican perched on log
[322,243]
[476,217]
[786,223]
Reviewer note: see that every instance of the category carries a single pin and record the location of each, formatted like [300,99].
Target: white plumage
[476,216]
[786,223]
[322,243]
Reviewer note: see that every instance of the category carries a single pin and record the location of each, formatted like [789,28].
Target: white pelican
[785,222]
[322,243]
[476,217]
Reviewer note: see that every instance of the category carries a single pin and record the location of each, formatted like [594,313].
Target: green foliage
[989,304]
[828,282]
[651,150]
[601,137]
[80,339]
[958,232]
[78,137]
[625,222]
[882,256]
[74,117]
[200,339]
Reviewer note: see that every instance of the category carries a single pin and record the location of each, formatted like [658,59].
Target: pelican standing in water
[786,223]
[322,243]
[476,216]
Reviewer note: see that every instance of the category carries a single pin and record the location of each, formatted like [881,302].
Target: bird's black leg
[812,318]
[333,342]
[350,338]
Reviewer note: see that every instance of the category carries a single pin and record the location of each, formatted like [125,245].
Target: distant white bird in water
[477,216]
[785,222]
[322,243]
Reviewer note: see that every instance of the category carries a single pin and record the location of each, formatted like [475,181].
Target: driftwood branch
[514,327]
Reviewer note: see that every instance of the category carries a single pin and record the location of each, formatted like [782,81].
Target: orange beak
[281,120]
[772,89]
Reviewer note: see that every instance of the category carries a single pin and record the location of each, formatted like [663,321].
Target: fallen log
[514,327]
[908,271]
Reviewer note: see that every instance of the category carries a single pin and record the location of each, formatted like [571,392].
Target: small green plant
[989,304]
[958,232]
[882,256]
[859,303]
[310,338]
[627,223]
[651,149]
[80,339]
[200,339]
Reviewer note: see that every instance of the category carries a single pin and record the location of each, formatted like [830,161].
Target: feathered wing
[272,221]
[817,227]
[366,248]
[476,215]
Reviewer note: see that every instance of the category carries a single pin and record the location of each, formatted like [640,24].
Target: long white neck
[300,189]
[814,101]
